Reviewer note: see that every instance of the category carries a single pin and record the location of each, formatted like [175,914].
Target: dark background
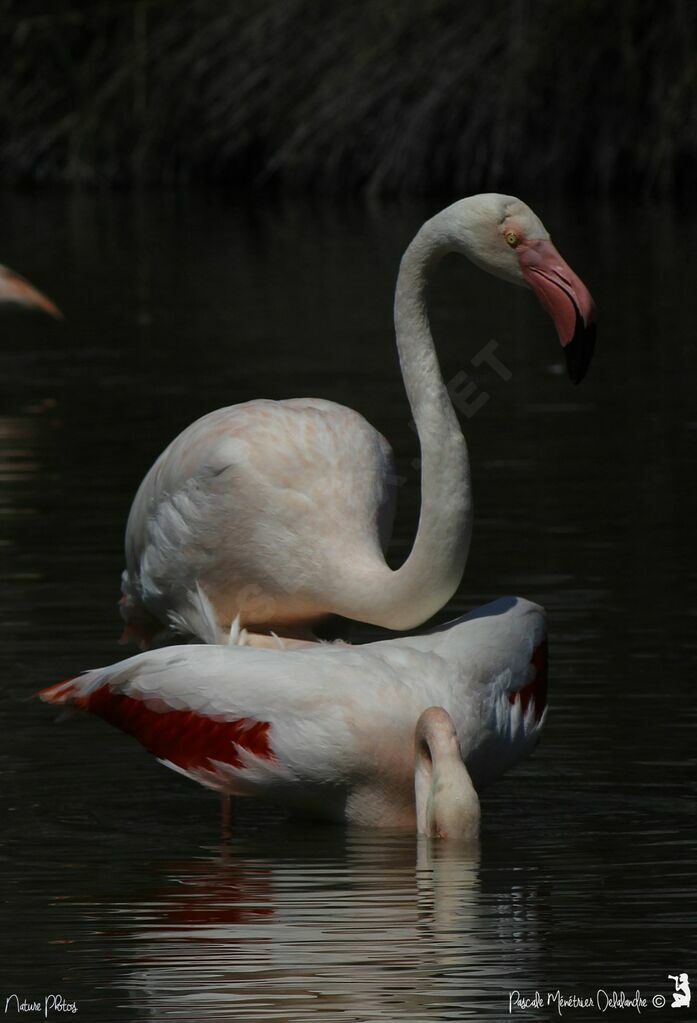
[377,96]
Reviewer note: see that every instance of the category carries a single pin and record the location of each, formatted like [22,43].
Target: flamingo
[280,512]
[15,289]
[330,731]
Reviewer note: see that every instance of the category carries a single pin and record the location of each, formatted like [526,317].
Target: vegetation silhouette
[374,96]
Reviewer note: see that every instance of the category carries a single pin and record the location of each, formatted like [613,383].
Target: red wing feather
[183,737]
[537,687]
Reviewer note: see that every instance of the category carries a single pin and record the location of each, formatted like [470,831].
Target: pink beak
[14,288]
[566,299]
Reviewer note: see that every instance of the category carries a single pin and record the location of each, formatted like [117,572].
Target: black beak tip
[579,350]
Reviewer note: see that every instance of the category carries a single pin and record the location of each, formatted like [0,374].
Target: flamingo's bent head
[447,805]
[503,236]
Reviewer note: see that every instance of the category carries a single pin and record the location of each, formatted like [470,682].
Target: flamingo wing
[241,719]
[257,504]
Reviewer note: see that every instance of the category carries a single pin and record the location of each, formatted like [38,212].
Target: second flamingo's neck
[405,598]
[447,805]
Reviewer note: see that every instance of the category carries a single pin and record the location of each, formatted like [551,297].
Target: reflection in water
[364,930]
[116,893]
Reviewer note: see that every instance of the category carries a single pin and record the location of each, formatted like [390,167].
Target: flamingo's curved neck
[446,801]
[405,598]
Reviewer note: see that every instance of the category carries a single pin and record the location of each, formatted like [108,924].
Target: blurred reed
[376,96]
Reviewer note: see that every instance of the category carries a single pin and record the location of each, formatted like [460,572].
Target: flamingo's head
[502,235]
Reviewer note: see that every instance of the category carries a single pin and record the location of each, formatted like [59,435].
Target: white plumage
[254,503]
[329,730]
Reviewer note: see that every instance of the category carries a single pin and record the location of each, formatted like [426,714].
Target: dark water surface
[121,893]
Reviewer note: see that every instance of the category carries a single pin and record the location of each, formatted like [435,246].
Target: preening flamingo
[280,512]
[447,804]
[14,289]
[329,730]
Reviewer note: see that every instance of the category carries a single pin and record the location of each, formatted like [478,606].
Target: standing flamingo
[280,512]
[14,289]
[330,731]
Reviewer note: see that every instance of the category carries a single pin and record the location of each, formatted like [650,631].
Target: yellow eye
[512,238]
